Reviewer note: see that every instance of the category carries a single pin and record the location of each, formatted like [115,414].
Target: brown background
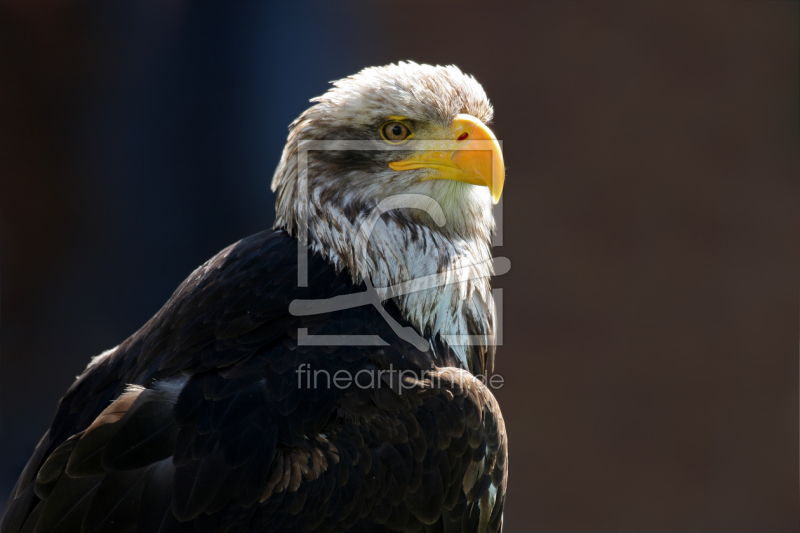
[651,216]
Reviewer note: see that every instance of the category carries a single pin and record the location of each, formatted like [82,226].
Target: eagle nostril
[463,136]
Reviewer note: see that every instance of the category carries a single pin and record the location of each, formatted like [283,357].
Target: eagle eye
[395,132]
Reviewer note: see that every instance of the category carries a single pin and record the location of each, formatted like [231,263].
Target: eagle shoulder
[201,417]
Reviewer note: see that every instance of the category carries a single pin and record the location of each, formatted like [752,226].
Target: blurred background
[651,212]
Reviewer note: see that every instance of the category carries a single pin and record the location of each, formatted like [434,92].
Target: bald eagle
[321,376]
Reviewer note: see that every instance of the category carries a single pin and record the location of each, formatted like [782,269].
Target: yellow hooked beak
[477,159]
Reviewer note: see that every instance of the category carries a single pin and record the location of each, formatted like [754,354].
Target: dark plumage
[203,421]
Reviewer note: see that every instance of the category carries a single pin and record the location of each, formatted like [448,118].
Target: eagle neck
[441,284]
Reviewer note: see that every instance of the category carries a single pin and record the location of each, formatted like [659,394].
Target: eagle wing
[201,421]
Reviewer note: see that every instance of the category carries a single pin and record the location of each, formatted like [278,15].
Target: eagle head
[396,106]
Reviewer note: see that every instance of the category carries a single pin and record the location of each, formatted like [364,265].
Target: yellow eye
[395,132]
